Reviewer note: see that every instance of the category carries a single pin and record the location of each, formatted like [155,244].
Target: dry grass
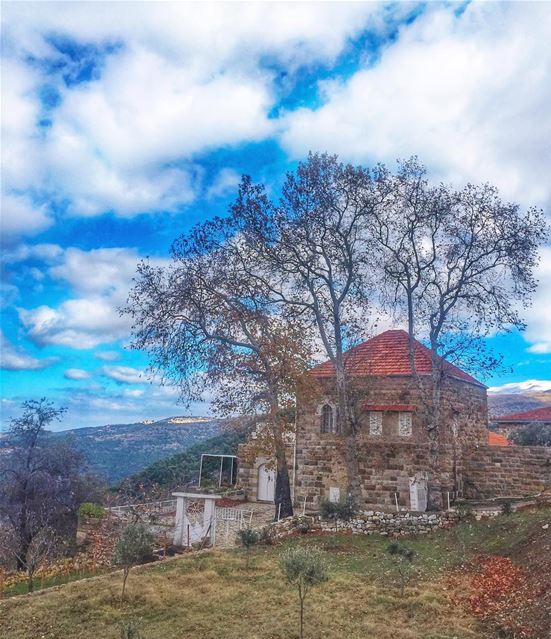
[212,595]
[215,596]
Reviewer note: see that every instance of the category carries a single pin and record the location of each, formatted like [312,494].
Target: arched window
[327,419]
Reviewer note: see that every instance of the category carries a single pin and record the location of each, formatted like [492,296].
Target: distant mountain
[117,451]
[504,403]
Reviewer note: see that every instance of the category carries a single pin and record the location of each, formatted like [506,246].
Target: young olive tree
[402,557]
[207,325]
[248,537]
[310,253]
[304,568]
[133,547]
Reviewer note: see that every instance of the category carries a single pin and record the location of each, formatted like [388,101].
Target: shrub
[403,557]
[93,511]
[131,629]
[463,509]
[507,508]
[335,510]
[133,546]
[302,524]
[248,538]
[303,568]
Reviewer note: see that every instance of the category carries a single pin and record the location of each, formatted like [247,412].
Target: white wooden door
[266,483]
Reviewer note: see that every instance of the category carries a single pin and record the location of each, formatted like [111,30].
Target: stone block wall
[463,406]
[385,471]
[506,471]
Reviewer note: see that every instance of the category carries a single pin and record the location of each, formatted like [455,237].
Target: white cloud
[530,385]
[15,359]
[21,217]
[79,323]
[225,182]
[180,79]
[538,318]
[101,279]
[107,356]
[469,93]
[76,374]
[124,374]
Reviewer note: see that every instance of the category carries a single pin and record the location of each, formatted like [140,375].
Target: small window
[328,419]
[404,424]
[375,423]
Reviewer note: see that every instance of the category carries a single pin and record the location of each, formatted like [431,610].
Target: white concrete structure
[195,518]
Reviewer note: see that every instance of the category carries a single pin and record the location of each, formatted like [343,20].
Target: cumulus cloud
[107,356]
[100,279]
[76,374]
[538,330]
[15,359]
[169,81]
[124,374]
[468,92]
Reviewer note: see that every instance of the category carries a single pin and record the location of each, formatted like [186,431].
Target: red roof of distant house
[496,439]
[387,354]
[536,415]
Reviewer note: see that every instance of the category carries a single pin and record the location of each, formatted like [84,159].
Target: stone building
[396,457]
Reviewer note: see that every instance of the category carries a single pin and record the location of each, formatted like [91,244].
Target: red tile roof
[397,408]
[537,415]
[496,439]
[387,354]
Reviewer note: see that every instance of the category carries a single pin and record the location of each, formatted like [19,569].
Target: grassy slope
[213,595]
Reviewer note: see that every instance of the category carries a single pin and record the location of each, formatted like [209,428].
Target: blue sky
[125,123]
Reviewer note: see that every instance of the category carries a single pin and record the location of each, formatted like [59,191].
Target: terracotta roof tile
[496,439]
[387,354]
[536,415]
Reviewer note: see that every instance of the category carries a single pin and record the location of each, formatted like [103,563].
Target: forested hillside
[178,470]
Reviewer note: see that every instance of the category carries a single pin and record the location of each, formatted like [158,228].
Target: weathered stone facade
[393,443]
[387,461]
[508,471]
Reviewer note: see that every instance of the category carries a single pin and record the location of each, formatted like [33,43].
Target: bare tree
[41,487]
[206,324]
[456,265]
[310,252]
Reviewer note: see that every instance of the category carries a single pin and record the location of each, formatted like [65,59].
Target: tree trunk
[283,500]
[301,635]
[30,584]
[282,494]
[348,428]
[125,577]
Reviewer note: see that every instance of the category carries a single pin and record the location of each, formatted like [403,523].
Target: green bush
[302,524]
[92,511]
[343,510]
[532,435]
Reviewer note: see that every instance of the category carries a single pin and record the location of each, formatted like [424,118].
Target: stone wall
[506,471]
[385,470]
[371,522]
